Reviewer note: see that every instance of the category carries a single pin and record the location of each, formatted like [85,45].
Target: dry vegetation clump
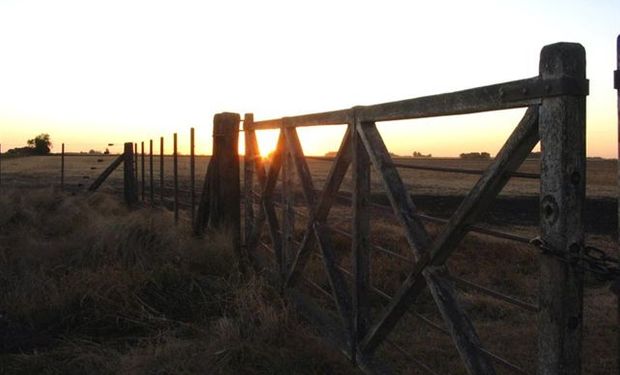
[87,286]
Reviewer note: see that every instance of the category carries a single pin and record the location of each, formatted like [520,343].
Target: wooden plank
[303,171]
[130,183]
[506,95]
[480,99]
[288,211]
[516,149]
[462,331]
[336,280]
[267,201]
[334,180]
[106,173]
[360,239]
[339,117]
[563,168]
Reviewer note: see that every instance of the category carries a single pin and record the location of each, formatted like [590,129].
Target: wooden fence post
[192,172]
[248,178]
[175,166]
[151,192]
[226,188]
[161,170]
[562,194]
[143,182]
[62,167]
[220,202]
[135,160]
[129,178]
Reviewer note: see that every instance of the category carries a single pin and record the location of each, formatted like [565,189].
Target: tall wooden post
[0,164]
[226,189]
[161,170]
[151,192]
[62,167]
[248,177]
[175,166]
[220,202]
[562,194]
[192,172]
[129,178]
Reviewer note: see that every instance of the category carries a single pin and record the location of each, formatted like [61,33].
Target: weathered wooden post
[248,177]
[62,167]
[226,189]
[129,178]
[192,172]
[220,202]
[562,195]
[143,182]
[151,192]
[161,170]
[175,167]
[0,164]
[135,159]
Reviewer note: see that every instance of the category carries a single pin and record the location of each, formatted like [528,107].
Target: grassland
[498,264]
[88,287]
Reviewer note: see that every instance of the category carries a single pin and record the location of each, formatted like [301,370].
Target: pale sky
[96,72]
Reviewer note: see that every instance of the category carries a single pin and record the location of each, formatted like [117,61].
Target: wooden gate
[555,116]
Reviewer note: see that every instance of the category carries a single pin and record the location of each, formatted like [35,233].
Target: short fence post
[142,185]
[135,159]
[562,195]
[129,178]
[62,167]
[161,170]
[151,192]
[176,178]
[192,172]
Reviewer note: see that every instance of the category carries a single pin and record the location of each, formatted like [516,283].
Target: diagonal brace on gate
[432,256]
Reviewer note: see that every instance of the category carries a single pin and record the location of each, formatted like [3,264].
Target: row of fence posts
[135,177]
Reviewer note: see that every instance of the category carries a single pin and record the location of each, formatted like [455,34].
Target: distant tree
[41,144]
[107,151]
[476,155]
[94,152]
[417,154]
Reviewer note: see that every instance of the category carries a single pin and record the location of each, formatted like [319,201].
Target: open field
[508,267]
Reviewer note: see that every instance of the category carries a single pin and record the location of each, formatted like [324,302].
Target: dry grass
[89,287]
